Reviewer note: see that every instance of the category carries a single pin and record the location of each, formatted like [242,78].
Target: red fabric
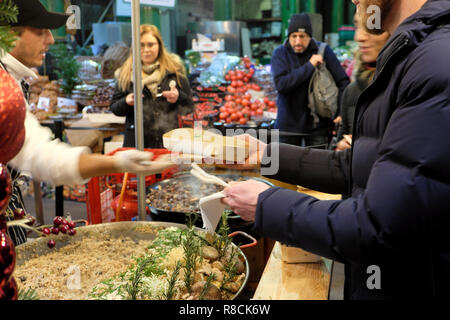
[12,117]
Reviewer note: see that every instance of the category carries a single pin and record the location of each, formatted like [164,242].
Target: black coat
[348,103]
[160,116]
[291,74]
[398,217]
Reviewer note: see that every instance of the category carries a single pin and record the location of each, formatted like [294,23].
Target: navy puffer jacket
[398,172]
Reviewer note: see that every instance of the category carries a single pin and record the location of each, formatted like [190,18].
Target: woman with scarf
[370,46]
[166,92]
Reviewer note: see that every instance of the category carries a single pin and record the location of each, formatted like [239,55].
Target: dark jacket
[398,217]
[291,74]
[350,98]
[160,116]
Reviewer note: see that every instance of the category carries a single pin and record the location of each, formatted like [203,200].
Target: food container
[142,230]
[297,255]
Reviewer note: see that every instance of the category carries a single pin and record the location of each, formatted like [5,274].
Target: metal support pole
[138,105]
[59,191]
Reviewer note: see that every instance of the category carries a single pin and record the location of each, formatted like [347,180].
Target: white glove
[139,162]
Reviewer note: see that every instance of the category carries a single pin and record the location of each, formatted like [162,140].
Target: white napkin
[212,209]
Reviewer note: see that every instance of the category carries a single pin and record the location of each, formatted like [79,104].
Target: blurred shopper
[46,159]
[370,46]
[162,103]
[392,233]
[293,64]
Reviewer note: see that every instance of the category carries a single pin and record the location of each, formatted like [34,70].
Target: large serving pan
[134,230]
[161,214]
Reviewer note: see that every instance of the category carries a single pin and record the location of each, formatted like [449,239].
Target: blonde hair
[168,62]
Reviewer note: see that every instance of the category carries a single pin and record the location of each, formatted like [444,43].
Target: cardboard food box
[206,144]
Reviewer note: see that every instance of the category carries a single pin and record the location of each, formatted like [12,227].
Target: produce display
[148,261]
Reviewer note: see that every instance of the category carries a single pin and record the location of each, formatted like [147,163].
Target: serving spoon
[199,173]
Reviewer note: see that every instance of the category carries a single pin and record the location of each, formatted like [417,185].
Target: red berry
[55,230]
[71,224]
[72,232]
[65,222]
[64,229]
[19,213]
[32,220]
[57,221]
[51,243]
[46,231]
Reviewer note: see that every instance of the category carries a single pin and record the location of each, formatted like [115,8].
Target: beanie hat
[300,23]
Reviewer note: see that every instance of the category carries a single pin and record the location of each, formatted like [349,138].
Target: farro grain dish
[179,263]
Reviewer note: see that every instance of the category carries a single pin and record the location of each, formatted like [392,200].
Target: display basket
[101,191]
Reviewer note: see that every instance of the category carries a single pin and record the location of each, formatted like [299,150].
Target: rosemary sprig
[222,242]
[207,285]
[29,294]
[191,252]
[230,268]
[170,290]
[136,280]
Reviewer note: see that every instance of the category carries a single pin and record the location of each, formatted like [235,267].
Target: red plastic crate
[114,182]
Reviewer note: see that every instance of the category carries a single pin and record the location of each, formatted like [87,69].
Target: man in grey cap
[293,64]
[52,160]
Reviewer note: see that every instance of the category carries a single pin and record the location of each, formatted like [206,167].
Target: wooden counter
[295,281]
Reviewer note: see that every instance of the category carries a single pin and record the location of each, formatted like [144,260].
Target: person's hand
[316,60]
[130,99]
[172,95]
[242,197]
[338,120]
[345,143]
[256,152]
[139,162]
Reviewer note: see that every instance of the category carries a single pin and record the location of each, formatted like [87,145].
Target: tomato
[259,112]
[248,96]
[223,115]
[271,104]
[253,106]
[240,83]
[234,117]
[238,101]
[234,84]
[227,78]
[242,120]
[266,100]
[245,102]
[239,114]
[223,109]
[228,97]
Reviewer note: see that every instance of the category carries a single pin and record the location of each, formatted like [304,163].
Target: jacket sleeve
[118,103]
[322,170]
[286,78]
[46,159]
[404,208]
